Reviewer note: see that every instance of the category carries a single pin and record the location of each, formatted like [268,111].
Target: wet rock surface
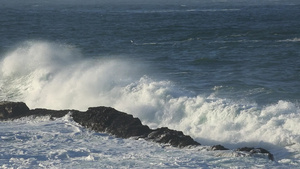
[119,124]
[13,110]
[106,119]
[218,147]
[172,137]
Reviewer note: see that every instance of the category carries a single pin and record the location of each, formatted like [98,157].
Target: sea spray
[46,74]
[56,76]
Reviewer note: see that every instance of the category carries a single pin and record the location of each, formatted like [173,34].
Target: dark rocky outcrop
[119,124]
[103,119]
[218,147]
[172,137]
[52,113]
[13,110]
[106,119]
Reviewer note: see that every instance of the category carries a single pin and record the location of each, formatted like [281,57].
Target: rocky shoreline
[119,124]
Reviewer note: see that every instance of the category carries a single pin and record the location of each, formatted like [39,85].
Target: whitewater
[57,77]
[176,77]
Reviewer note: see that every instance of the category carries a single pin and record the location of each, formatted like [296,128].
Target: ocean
[223,72]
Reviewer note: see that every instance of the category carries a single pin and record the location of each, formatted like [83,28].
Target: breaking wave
[57,76]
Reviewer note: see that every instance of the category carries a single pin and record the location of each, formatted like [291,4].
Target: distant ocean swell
[57,76]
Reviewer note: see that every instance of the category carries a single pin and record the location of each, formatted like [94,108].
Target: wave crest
[56,76]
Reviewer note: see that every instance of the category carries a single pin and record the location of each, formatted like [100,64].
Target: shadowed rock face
[12,110]
[218,147]
[103,119]
[172,137]
[106,119]
[119,124]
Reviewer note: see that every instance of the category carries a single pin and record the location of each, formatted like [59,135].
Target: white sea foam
[105,150]
[290,40]
[44,74]
[64,144]
[55,76]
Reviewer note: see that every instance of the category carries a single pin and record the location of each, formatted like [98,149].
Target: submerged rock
[256,151]
[218,147]
[119,124]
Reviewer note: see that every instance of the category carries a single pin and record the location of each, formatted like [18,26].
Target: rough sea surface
[223,72]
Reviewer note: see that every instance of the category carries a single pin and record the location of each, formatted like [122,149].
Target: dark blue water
[243,51]
[223,72]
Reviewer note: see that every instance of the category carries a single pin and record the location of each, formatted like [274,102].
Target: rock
[256,151]
[106,119]
[52,113]
[172,137]
[109,120]
[10,110]
[119,124]
[218,147]
[103,119]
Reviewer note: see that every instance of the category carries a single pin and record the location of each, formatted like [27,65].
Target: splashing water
[57,76]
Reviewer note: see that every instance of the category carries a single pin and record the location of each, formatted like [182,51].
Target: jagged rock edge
[111,121]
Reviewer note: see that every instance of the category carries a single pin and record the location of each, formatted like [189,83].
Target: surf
[58,76]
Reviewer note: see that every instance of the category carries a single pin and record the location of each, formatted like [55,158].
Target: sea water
[223,72]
